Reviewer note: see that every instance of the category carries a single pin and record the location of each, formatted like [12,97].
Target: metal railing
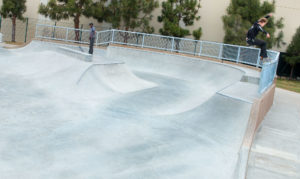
[268,72]
[234,53]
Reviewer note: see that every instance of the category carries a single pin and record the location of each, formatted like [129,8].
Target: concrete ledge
[77,54]
[70,43]
[250,79]
[259,110]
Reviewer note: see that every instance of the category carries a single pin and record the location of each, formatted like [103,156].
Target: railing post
[67,33]
[81,28]
[112,35]
[221,51]
[200,51]
[143,40]
[53,35]
[172,49]
[238,55]
[137,39]
[276,65]
[97,38]
[195,48]
[258,59]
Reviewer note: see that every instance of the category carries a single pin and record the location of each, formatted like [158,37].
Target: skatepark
[125,113]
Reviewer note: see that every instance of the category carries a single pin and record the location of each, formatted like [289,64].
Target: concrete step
[268,161]
[258,173]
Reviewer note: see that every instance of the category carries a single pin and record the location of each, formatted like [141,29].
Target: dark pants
[262,44]
[91,50]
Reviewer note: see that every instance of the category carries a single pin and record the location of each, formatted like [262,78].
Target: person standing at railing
[253,32]
[92,38]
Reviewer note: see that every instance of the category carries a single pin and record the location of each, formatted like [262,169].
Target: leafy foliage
[175,13]
[293,51]
[13,9]
[65,9]
[241,14]
[131,14]
[197,33]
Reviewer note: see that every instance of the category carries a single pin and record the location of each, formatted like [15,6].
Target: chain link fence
[234,53]
[25,30]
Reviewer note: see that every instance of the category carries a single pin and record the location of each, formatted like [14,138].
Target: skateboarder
[253,32]
[92,38]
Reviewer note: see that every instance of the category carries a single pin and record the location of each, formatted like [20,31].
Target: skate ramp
[201,80]
[60,119]
[115,76]
[61,69]
[176,66]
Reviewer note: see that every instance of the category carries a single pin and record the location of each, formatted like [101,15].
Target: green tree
[241,14]
[197,33]
[132,14]
[65,9]
[293,52]
[14,9]
[178,13]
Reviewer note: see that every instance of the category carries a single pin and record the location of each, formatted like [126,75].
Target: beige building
[211,14]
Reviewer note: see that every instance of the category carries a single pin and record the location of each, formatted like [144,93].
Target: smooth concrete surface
[59,119]
[275,153]
[115,76]
[237,91]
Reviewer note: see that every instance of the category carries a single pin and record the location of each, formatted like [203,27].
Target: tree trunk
[13,34]
[292,71]
[76,25]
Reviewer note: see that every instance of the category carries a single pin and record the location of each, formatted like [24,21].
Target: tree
[197,33]
[13,9]
[241,14]
[131,14]
[178,13]
[293,52]
[65,9]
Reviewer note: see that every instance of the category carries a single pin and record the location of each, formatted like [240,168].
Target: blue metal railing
[234,53]
[268,72]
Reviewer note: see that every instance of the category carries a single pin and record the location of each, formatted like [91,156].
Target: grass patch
[291,85]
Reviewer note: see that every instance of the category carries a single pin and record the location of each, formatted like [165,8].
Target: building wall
[211,14]
[32,9]
[290,11]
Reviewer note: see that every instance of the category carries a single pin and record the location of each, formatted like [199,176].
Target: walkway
[276,149]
